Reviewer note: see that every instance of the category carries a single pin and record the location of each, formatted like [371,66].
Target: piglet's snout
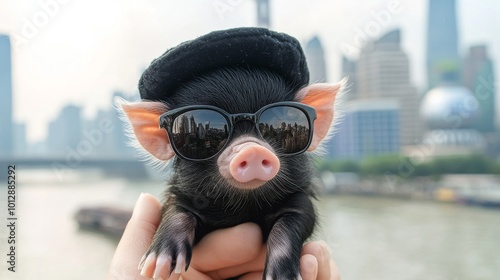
[253,162]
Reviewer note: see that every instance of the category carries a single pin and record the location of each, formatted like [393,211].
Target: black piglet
[233,114]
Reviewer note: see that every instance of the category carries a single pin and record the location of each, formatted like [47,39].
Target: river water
[370,238]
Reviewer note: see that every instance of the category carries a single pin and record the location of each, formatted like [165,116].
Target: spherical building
[450,113]
[449,107]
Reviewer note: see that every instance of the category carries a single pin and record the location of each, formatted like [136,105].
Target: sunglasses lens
[200,133]
[286,127]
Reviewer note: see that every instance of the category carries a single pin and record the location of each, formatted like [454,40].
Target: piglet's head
[247,161]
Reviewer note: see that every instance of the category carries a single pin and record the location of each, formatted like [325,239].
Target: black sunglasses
[200,132]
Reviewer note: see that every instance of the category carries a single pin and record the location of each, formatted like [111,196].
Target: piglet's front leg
[172,244]
[294,224]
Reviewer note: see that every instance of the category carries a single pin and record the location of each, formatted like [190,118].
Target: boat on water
[109,220]
[477,190]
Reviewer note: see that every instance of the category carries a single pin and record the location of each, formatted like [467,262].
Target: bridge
[128,167]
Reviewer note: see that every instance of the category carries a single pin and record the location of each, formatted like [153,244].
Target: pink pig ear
[325,98]
[142,118]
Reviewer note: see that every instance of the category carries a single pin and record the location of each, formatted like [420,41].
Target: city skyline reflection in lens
[286,127]
[199,134]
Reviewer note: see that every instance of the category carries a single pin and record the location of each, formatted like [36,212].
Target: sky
[80,51]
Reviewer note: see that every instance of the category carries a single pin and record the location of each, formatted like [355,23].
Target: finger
[193,274]
[255,265]
[173,276]
[308,267]
[135,239]
[252,276]
[227,247]
[320,250]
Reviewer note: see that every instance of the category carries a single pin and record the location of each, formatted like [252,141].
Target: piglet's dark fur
[199,200]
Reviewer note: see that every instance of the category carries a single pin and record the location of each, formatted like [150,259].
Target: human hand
[239,251]
[217,256]
[135,240]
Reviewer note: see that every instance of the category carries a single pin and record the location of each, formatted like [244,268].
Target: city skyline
[383,115]
[93,47]
[383,71]
[70,133]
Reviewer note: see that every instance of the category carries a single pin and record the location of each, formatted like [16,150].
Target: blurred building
[451,113]
[6,120]
[99,132]
[117,138]
[383,73]
[316,60]
[349,70]
[263,13]
[369,127]
[20,144]
[101,137]
[478,76]
[442,41]
[65,132]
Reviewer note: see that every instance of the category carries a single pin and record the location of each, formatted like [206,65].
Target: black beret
[249,47]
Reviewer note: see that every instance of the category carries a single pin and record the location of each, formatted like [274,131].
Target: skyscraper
[65,132]
[6,129]
[383,73]
[349,70]
[316,60]
[369,127]
[442,41]
[263,13]
[479,78]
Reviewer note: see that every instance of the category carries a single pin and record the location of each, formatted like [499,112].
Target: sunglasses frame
[166,121]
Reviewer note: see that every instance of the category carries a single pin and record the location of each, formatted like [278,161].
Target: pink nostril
[243,164]
[265,162]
